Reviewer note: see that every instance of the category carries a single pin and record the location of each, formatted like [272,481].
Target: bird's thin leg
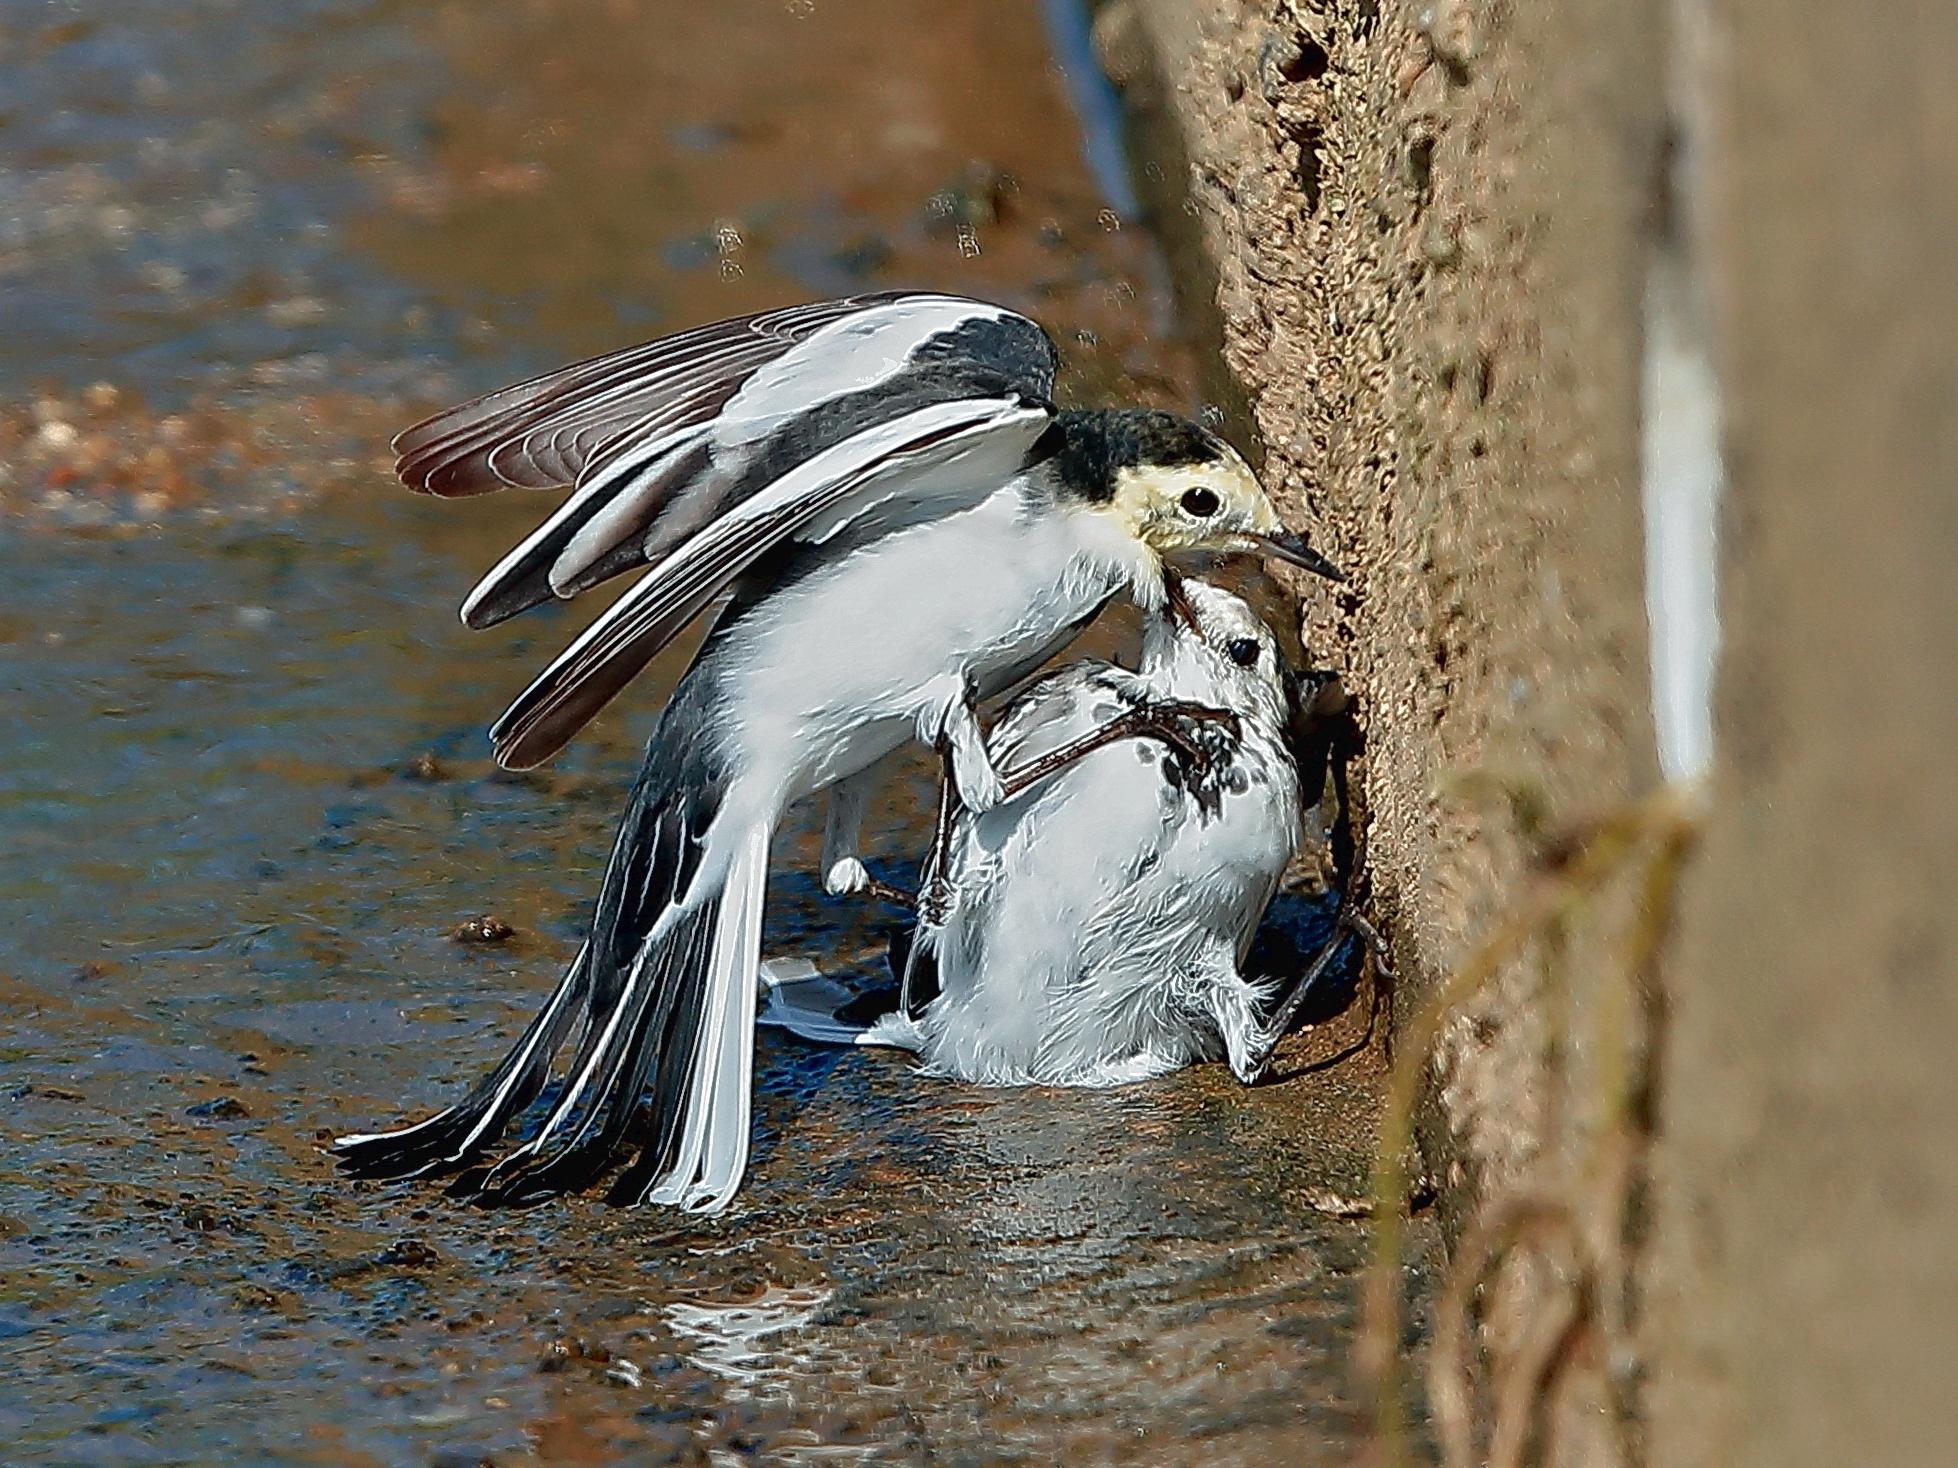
[1259,1053]
[1348,921]
[844,873]
[934,902]
[1370,935]
[888,892]
[934,883]
[1160,721]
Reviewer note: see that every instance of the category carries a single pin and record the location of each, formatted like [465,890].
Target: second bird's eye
[1200,501]
[1243,651]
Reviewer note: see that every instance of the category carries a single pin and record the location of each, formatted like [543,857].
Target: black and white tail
[665,991]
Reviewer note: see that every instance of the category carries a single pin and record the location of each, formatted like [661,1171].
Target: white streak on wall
[1682,477]
[1680,435]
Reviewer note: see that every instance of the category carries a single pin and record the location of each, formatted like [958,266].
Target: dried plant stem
[1632,1052]
[1555,1338]
[1602,853]
[1521,1218]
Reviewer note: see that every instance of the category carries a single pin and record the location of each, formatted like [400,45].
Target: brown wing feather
[541,433]
[634,630]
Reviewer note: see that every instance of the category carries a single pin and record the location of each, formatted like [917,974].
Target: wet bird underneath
[1095,923]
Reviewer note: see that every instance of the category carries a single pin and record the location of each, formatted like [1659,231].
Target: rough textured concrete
[1809,1275]
[1426,241]
[1428,291]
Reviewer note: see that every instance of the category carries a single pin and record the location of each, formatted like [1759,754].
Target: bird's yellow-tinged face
[1216,505]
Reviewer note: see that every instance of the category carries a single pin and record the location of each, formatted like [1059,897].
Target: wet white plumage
[1098,921]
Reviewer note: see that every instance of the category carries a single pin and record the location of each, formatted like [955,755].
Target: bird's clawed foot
[851,878]
[1191,730]
[935,901]
[1201,736]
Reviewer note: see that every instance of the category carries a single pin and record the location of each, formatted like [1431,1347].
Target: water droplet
[1109,220]
[1210,415]
[730,269]
[968,242]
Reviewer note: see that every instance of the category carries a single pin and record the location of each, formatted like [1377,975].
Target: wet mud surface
[246,804]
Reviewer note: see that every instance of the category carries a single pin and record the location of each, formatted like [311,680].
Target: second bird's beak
[1176,605]
[1292,549]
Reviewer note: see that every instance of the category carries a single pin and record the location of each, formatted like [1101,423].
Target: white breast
[830,672]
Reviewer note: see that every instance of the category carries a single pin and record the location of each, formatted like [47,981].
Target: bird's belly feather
[833,671]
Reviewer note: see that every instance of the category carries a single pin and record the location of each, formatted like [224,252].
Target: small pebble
[486,929]
[565,1349]
[408,1253]
[218,1108]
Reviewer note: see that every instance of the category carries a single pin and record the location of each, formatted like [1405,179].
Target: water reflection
[740,1342]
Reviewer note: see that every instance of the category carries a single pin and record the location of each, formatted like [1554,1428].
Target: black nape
[1089,446]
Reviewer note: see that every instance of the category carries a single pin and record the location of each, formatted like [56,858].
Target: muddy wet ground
[245,799]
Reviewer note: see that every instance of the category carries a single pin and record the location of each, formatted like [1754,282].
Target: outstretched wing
[939,457]
[698,454]
[659,440]
[542,433]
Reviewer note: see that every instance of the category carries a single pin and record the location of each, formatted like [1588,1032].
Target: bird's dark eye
[1243,651]
[1200,502]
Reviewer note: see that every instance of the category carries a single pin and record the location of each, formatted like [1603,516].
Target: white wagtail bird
[898,523]
[1097,920]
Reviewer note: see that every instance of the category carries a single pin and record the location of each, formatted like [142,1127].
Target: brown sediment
[103,458]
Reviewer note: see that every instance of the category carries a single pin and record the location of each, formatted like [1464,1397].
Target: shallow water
[245,797]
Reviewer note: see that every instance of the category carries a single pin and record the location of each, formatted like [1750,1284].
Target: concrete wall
[1434,232]
[1429,293]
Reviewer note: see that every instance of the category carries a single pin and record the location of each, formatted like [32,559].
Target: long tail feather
[664,992]
[565,1157]
[456,1137]
[714,1104]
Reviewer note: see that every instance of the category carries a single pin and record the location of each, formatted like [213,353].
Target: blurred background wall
[1809,1138]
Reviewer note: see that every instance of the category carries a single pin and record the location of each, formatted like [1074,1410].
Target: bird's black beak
[1292,549]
